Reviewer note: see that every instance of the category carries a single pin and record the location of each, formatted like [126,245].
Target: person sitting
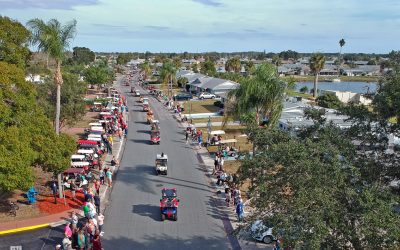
[219,138]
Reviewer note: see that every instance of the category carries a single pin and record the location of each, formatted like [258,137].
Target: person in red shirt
[96,242]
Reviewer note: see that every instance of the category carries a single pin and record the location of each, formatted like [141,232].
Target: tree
[312,193]
[72,99]
[208,68]
[54,39]
[97,75]
[82,55]
[26,136]
[317,63]
[168,75]
[249,67]
[329,100]
[146,69]
[233,65]
[289,54]
[304,89]
[262,94]
[342,42]
[14,39]
[182,81]
[387,99]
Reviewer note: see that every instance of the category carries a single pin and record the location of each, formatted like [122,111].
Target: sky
[368,26]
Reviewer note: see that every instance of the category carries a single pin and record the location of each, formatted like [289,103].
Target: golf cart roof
[77,157]
[85,151]
[97,103]
[228,141]
[168,192]
[162,158]
[96,128]
[155,121]
[94,138]
[105,113]
[74,171]
[80,164]
[217,132]
[95,124]
[94,135]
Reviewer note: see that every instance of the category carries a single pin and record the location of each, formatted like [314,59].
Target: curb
[21,229]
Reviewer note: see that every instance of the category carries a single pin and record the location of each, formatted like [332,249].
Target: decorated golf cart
[169,204]
[161,163]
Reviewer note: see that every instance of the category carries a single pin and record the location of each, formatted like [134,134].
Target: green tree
[182,81]
[54,39]
[317,63]
[26,136]
[387,99]
[289,54]
[14,39]
[342,42]
[82,55]
[250,67]
[146,69]
[97,75]
[208,68]
[329,100]
[314,196]
[72,99]
[168,75]
[233,65]
[304,89]
[262,94]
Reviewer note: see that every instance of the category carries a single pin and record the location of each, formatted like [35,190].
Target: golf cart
[145,100]
[145,107]
[155,125]
[133,90]
[232,152]
[216,137]
[137,93]
[169,204]
[161,163]
[97,107]
[155,137]
[150,117]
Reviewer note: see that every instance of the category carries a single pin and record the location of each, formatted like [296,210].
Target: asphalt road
[133,219]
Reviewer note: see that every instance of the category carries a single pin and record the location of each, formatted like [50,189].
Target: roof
[158,156]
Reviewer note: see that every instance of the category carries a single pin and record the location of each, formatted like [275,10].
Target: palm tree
[262,94]
[317,63]
[233,64]
[146,69]
[168,74]
[54,39]
[342,42]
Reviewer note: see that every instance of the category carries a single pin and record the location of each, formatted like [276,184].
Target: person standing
[100,222]
[67,230]
[73,189]
[109,177]
[96,242]
[54,189]
[240,210]
[187,135]
[96,199]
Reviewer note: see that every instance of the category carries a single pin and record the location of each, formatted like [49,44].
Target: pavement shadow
[147,142]
[143,131]
[140,122]
[147,210]
[167,242]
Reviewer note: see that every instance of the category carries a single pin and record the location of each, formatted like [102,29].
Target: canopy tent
[87,142]
[85,151]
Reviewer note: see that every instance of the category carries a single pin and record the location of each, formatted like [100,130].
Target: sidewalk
[54,220]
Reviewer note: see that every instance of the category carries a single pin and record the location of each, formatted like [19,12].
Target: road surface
[133,218]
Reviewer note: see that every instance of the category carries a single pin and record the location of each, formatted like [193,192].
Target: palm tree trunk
[315,85]
[59,81]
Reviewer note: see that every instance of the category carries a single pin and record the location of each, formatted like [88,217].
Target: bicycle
[13,209]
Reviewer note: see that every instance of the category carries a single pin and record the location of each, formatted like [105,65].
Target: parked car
[205,95]
[261,232]
[183,97]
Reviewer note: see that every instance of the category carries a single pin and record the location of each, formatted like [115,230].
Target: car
[261,232]
[169,204]
[205,95]
[183,96]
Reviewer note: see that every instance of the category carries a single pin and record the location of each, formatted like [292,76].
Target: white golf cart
[161,164]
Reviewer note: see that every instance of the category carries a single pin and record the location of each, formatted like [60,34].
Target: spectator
[96,199]
[67,230]
[97,185]
[74,218]
[73,189]
[240,210]
[109,177]
[101,175]
[96,242]
[81,240]
[100,222]
[54,189]
[67,244]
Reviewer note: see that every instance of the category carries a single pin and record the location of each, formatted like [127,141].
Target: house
[349,97]
[211,85]
[34,78]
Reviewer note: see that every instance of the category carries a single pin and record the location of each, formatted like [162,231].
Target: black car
[183,97]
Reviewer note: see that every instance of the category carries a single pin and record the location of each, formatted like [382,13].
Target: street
[133,218]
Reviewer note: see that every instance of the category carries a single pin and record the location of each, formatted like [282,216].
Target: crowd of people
[86,233]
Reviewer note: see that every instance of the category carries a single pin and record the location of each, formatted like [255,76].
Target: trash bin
[31,195]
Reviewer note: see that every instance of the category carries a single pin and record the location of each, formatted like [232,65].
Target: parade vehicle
[97,124]
[97,107]
[145,107]
[133,90]
[155,137]
[77,158]
[215,136]
[161,163]
[232,152]
[145,100]
[155,125]
[169,204]
[150,117]
[137,93]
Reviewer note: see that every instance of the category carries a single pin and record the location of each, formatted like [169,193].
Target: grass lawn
[343,78]
[295,93]
[195,107]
